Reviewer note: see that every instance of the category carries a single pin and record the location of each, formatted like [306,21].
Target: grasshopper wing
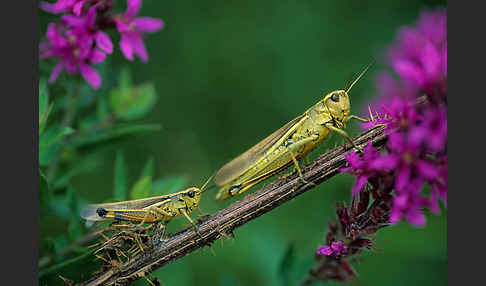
[90,212]
[240,164]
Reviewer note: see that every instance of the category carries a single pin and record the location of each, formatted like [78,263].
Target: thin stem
[67,121]
[222,223]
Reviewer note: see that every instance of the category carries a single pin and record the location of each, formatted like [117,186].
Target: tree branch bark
[235,215]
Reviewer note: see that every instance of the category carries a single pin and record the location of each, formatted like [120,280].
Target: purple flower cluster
[414,110]
[349,236]
[78,40]
[336,248]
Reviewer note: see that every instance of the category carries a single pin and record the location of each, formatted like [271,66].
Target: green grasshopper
[148,210]
[288,144]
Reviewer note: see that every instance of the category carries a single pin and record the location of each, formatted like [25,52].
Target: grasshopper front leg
[343,133]
[360,118]
[184,213]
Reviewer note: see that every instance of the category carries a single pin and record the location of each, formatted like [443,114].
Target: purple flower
[86,24]
[363,167]
[336,248]
[75,6]
[75,50]
[324,250]
[402,113]
[408,202]
[420,55]
[432,131]
[409,164]
[132,30]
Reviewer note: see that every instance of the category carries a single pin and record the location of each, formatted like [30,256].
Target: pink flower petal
[73,21]
[148,24]
[324,250]
[385,163]
[90,75]
[444,61]
[415,216]
[354,160]
[400,201]
[48,7]
[54,37]
[417,135]
[433,202]
[427,170]
[396,142]
[133,6]
[126,46]
[103,42]
[97,56]
[55,72]
[402,178]
[409,70]
[360,183]
[91,16]
[78,8]
[370,152]
[139,48]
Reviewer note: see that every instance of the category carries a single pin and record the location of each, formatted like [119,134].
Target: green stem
[67,121]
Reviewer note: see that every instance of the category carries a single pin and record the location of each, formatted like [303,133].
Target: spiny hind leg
[293,148]
[156,212]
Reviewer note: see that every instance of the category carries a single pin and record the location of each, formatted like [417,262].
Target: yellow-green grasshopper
[288,144]
[148,210]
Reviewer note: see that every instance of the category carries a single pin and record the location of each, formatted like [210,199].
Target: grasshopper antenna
[348,82]
[203,188]
[360,75]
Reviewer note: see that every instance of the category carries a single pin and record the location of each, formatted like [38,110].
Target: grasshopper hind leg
[294,147]
[297,167]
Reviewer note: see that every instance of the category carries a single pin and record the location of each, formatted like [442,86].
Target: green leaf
[57,267]
[169,185]
[148,170]
[44,194]
[113,132]
[49,143]
[83,164]
[102,110]
[133,103]
[141,189]
[125,80]
[75,226]
[44,107]
[60,242]
[286,265]
[54,137]
[43,97]
[120,178]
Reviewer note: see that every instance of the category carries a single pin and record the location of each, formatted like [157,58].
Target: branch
[235,215]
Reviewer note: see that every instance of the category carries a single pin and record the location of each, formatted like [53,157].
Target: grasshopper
[149,210]
[288,144]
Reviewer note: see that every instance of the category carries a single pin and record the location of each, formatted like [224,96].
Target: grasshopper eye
[191,194]
[335,97]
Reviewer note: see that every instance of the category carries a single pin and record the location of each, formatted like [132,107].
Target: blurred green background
[228,73]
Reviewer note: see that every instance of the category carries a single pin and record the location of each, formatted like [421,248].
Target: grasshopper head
[192,196]
[337,104]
